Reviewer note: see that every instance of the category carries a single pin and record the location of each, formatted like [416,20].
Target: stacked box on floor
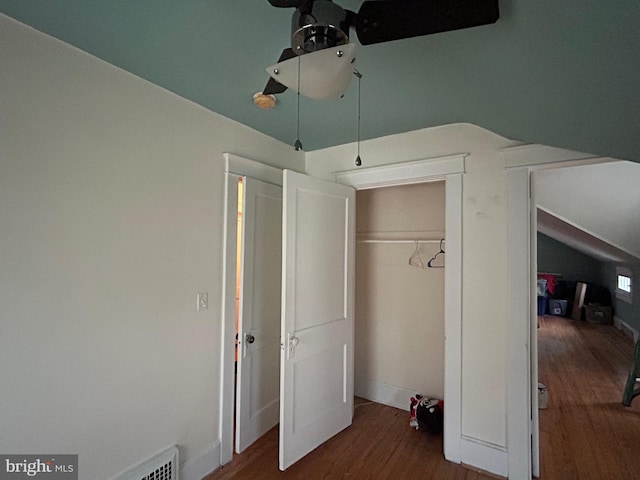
[598,314]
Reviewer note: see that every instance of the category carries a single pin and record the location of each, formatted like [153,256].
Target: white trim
[250,168]
[488,457]
[201,464]
[451,169]
[383,393]
[541,155]
[417,171]
[522,308]
[519,372]
[229,265]
[533,330]
[453,321]
[235,167]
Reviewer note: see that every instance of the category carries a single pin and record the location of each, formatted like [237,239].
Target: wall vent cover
[163,466]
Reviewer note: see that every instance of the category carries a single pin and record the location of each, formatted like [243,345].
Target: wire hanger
[416,259]
[429,263]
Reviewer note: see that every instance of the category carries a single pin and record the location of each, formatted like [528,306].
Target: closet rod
[398,241]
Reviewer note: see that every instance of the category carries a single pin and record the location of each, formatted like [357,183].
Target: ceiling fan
[320,36]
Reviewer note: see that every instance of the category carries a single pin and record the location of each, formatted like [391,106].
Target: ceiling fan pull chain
[359,76]
[298,145]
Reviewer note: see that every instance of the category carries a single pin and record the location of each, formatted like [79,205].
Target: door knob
[250,338]
[292,342]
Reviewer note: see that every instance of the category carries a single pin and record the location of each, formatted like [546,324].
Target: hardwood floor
[586,433]
[379,445]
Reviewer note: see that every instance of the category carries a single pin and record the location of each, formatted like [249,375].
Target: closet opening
[399,294]
[446,169]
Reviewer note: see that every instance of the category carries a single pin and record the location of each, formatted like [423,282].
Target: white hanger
[416,259]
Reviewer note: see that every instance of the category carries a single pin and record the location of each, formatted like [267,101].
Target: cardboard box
[598,314]
[581,289]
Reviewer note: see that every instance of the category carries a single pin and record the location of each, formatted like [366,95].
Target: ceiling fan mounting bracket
[318,25]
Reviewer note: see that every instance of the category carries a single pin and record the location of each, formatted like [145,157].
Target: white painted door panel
[258,395]
[316,380]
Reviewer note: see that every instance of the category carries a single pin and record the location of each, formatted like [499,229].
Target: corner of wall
[201,464]
[627,329]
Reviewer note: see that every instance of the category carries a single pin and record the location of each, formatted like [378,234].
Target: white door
[316,380]
[257,403]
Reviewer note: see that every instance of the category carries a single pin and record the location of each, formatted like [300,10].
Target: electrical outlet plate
[202,301]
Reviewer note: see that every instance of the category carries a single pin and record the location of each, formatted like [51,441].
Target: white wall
[399,342]
[111,206]
[484,225]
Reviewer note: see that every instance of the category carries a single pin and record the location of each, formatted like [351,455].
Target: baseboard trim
[201,464]
[627,329]
[490,458]
[383,393]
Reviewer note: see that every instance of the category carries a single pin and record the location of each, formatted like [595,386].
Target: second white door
[258,395]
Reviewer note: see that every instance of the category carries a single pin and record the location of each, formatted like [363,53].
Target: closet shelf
[407,236]
[398,240]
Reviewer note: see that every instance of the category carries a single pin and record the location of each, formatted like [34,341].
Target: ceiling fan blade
[286,54]
[274,87]
[383,21]
[287,3]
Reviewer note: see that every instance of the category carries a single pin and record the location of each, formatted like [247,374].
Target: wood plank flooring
[379,445]
[586,433]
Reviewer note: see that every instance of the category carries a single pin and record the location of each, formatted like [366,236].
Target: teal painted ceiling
[559,72]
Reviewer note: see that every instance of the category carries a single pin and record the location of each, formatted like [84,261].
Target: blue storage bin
[557,307]
[542,305]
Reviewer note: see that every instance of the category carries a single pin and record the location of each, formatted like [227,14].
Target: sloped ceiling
[593,209]
[564,73]
[581,240]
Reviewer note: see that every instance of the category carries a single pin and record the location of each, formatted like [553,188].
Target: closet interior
[399,322]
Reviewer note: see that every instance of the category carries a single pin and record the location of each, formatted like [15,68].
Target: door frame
[451,169]
[235,168]
[523,440]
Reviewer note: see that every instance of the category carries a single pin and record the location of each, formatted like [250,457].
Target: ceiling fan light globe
[324,74]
